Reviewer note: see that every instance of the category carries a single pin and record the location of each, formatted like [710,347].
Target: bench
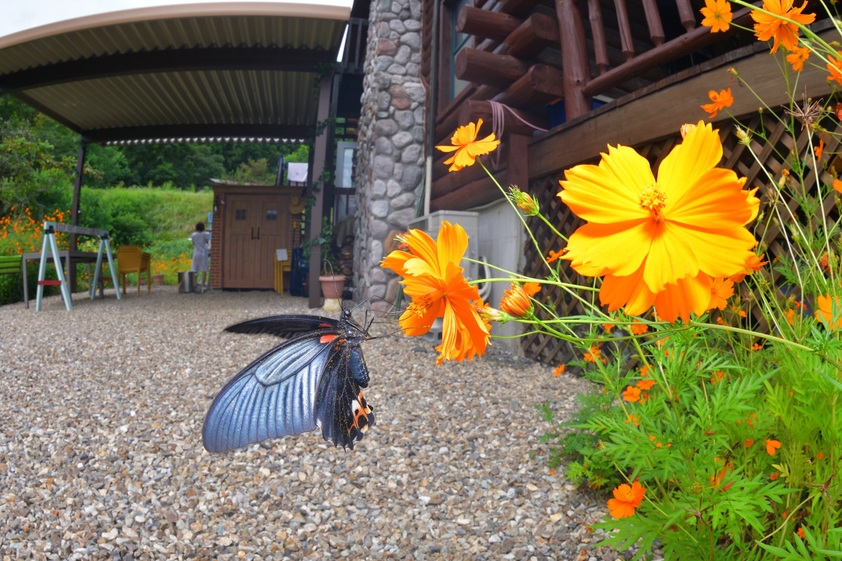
[11,265]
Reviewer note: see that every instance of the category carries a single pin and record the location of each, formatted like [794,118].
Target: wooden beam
[518,7]
[476,193]
[444,181]
[487,24]
[540,85]
[492,69]
[536,33]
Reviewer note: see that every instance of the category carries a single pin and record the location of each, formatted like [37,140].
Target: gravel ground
[101,456]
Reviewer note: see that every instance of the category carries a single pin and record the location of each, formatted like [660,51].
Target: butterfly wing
[341,410]
[271,397]
[286,326]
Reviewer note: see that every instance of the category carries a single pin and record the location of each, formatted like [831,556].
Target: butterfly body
[310,381]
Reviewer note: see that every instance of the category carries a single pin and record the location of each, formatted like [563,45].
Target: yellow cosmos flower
[467,147]
[717,15]
[659,242]
[432,277]
[774,26]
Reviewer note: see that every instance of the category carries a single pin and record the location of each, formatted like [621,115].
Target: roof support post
[317,210]
[74,208]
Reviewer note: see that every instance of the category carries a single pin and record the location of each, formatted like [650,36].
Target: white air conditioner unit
[470,222]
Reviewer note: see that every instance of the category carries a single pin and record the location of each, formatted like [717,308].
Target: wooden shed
[250,223]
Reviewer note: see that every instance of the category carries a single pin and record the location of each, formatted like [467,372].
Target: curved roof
[178,73]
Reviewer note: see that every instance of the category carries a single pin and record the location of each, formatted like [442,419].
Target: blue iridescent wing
[271,397]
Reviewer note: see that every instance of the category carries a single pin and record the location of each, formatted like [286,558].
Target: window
[271,215]
[240,214]
[458,42]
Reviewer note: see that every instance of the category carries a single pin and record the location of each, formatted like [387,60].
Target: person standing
[201,242]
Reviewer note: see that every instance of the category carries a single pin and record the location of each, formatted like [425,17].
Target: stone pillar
[390,158]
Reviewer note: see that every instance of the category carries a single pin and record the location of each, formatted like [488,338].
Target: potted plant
[332,282]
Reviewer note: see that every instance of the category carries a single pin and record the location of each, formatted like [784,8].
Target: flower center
[420,305]
[653,199]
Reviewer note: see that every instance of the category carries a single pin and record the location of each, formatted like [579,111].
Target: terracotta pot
[158,280]
[332,285]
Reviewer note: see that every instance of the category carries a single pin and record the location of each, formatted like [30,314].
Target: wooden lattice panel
[776,154]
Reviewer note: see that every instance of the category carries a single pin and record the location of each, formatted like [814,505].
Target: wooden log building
[560,80]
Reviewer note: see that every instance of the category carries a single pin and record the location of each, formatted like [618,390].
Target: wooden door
[255,226]
[240,251]
[272,234]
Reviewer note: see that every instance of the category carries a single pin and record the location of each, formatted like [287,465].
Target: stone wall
[390,159]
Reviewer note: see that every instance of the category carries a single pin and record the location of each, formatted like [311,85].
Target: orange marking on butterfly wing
[327,338]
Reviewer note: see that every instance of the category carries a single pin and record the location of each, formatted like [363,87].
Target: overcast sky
[17,15]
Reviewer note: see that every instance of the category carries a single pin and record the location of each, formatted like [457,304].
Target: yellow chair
[131,259]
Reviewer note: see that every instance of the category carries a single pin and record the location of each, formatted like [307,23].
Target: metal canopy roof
[194,72]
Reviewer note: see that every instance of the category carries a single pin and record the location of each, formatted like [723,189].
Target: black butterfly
[312,380]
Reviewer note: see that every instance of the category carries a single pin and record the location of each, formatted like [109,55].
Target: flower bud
[524,201]
[685,129]
[489,314]
[516,302]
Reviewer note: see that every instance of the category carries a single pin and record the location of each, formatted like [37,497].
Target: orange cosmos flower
[774,26]
[645,384]
[798,57]
[532,288]
[837,186]
[753,264]
[555,255]
[772,446]
[516,302]
[720,101]
[467,147]
[631,394]
[559,369]
[626,499]
[638,328]
[638,225]
[830,311]
[720,291]
[717,15]
[433,278]
[819,150]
